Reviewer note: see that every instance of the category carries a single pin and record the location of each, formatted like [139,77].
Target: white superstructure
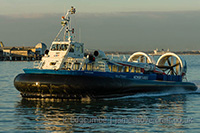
[67,53]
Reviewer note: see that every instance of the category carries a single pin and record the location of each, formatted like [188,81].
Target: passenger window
[127,69]
[76,66]
[63,47]
[110,66]
[132,69]
[138,70]
[89,67]
[53,63]
[120,69]
[68,65]
[114,68]
[55,47]
[84,67]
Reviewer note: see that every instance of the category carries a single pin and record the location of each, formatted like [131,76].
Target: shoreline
[38,58]
[152,52]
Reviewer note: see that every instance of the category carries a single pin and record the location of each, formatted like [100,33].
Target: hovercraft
[66,71]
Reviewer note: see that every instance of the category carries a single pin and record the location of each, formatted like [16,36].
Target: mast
[66,25]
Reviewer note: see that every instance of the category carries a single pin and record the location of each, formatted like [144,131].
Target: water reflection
[103,115]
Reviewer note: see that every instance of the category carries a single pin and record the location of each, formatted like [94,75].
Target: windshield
[59,47]
[63,47]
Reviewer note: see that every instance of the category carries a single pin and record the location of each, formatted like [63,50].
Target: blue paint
[125,75]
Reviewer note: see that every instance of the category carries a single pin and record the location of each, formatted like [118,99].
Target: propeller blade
[168,67]
[175,65]
[169,63]
[171,71]
[174,72]
[168,72]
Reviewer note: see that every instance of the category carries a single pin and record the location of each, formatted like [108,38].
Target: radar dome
[41,47]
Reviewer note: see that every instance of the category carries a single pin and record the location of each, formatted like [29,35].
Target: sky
[120,25]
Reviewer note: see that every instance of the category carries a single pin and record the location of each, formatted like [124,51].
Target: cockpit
[59,47]
[64,47]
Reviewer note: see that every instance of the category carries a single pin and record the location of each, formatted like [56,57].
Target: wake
[160,94]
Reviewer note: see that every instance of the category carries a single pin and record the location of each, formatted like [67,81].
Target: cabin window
[114,68]
[55,47]
[71,48]
[126,69]
[63,47]
[132,69]
[110,67]
[84,67]
[76,66]
[53,63]
[138,70]
[120,68]
[89,67]
[68,65]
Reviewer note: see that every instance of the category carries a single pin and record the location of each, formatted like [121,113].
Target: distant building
[22,52]
[40,48]
[158,52]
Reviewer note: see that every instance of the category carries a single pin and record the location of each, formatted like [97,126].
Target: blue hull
[124,75]
[81,84]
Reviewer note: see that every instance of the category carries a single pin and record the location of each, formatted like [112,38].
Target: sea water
[149,112]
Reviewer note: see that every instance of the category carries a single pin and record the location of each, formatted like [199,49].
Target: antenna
[79,34]
[66,23]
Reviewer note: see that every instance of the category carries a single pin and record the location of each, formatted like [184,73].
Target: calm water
[166,112]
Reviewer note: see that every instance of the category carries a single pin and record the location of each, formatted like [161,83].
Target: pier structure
[22,53]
